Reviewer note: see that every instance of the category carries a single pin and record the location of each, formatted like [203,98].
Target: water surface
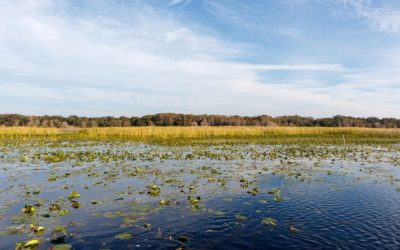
[200,197]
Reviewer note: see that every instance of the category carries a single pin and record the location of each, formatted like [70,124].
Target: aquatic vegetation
[65,192]
[123,236]
[63,212]
[153,190]
[62,247]
[206,135]
[293,229]
[164,202]
[28,209]
[52,178]
[28,245]
[58,237]
[36,229]
[240,217]
[269,221]
[276,193]
[74,195]
[75,204]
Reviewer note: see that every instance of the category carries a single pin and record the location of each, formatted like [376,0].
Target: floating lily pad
[62,247]
[123,236]
[269,221]
[74,195]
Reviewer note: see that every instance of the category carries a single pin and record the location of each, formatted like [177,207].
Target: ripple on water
[331,211]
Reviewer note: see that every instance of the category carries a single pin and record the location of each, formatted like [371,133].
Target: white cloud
[151,62]
[384,18]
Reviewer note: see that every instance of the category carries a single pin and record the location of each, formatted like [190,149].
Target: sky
[235,57]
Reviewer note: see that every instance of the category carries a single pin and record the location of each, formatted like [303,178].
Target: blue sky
[279,57]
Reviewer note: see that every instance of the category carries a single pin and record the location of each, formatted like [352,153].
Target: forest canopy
[172,119]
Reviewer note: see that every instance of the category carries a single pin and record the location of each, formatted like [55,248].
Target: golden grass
[177,135]
[194,132]
[17,132]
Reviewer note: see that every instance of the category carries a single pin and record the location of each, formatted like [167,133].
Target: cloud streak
[385,19]
[179,2]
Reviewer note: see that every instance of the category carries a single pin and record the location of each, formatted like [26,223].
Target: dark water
[358,217]
[351,203]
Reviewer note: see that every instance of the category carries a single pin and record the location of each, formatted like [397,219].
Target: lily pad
[74,195]
[123,236]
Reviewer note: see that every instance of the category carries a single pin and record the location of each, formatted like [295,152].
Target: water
[210,197]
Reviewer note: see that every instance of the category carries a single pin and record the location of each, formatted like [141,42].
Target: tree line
[171,119]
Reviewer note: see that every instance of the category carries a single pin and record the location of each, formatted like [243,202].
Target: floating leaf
[123,236]
[75,204]
[74,195]
[58,235]
[19,245]
[240,217]
[153,190]
[194,201]
[269,221]
[276,194]
[164,202]
[55,207]
[219,213]
[51,178]
[254,191]
[62,247]
[63,212]
[31,244]
[24,158]
[28,209]
[36,229]
[143,208]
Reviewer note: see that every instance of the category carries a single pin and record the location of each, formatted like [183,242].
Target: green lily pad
[123,236]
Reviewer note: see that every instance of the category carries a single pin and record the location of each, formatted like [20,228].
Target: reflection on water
[249,197]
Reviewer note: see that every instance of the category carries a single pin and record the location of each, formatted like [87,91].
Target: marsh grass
[210,135]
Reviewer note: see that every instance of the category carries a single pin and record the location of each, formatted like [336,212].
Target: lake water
[133,196]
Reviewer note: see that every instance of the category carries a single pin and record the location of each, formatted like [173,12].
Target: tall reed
[240,134]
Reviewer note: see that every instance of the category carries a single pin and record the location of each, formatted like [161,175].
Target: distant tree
[172,119]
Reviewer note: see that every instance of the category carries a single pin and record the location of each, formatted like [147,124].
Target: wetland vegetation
[208,135]
[199,188]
